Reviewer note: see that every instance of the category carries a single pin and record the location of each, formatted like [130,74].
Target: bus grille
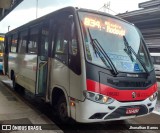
[121,111]
[129,83]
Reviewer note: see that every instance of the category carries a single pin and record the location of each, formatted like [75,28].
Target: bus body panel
[86,114]
[24,67]
[60,75]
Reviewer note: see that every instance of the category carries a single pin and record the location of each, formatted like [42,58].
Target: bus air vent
[128,83]
[150,110]
[98,116]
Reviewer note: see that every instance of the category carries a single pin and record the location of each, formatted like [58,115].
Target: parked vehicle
[91,66]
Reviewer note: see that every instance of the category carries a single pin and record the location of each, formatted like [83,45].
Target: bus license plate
[132,110]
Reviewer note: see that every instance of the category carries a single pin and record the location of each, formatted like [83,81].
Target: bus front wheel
[62,110]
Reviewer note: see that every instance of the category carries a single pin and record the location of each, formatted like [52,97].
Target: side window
[14,43]
[74,54]
[142,53]
[61,44]
[33,40]
[23,41]
[8,44]
[73,47]
[44,42]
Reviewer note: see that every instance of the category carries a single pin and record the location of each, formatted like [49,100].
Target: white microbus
[156,62]
[90,66]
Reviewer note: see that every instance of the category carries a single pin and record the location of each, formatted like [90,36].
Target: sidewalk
[14,111]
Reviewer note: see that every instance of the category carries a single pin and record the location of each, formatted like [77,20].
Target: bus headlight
[97,97]
[153,97]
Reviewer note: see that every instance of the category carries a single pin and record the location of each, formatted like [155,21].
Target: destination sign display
[105,25]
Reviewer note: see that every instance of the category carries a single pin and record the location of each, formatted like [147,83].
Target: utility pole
[106,7]
[8,28]
[36,8]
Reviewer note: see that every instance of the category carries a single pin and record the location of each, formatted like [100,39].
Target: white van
[156,61]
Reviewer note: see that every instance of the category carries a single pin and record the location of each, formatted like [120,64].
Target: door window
[23,42]
[43,62]
[61,45]
[74,54]
[44,42]
[14,43]
[33,40]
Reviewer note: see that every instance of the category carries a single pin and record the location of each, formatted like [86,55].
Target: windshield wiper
[100,51]
[129,50]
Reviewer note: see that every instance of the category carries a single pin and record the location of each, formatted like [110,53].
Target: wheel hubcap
[63,111]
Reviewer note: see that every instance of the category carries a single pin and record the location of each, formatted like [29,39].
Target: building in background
[6,6]
[147,19]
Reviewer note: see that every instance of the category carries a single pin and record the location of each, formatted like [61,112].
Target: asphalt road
[107,127]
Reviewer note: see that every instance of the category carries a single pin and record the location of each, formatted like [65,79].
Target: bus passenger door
[42,63]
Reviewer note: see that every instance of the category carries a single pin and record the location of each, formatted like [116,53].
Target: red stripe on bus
[120,95]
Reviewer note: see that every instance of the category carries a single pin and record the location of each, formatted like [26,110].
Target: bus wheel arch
[12,76]
[60,104]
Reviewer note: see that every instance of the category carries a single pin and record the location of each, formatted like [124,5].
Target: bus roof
[70,8]
[102,13]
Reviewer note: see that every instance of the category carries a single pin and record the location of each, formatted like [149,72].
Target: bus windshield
[120,41]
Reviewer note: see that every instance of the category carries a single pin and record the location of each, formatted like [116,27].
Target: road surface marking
[155,112]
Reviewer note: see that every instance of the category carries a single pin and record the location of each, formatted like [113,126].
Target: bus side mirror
[71,23]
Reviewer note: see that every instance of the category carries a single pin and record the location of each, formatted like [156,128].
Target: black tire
[18,88]
[15,85]
[62,110]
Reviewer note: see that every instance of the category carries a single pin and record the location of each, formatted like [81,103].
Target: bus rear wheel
[15,85]
[62,110]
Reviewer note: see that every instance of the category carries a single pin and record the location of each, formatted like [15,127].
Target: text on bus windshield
[107,26]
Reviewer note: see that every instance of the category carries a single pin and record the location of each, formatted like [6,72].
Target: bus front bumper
[89,111]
